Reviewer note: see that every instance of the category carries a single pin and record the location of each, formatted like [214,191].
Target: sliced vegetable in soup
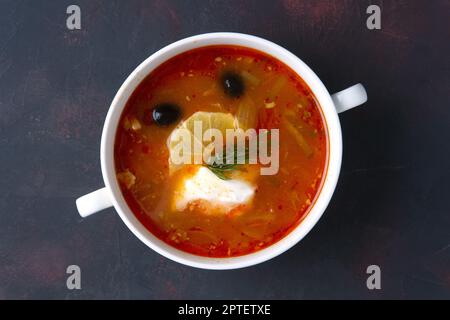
[214,208]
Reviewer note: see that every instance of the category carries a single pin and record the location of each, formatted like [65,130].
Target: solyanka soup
[206,208]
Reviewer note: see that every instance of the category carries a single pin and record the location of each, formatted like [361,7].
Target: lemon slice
[208,120]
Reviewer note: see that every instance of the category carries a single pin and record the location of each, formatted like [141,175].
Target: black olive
[233,84]
[165,114]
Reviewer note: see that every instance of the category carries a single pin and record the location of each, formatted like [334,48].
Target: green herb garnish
[222,169]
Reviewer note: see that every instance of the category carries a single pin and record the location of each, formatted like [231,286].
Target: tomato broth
[261,92]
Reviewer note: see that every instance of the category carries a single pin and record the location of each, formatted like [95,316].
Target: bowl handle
[349,98]
[94,202]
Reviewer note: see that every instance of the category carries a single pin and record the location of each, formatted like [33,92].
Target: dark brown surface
[391,206]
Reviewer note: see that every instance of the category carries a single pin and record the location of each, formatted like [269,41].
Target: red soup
[228,210]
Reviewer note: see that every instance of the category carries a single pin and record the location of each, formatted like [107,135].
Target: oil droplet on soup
[202,210]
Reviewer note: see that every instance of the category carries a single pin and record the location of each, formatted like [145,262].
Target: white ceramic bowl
[111,195]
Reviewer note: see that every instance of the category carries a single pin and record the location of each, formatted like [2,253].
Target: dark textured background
[391,206]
